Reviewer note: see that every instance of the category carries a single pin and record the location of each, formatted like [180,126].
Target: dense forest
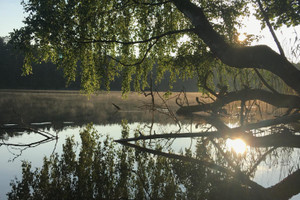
[48,76]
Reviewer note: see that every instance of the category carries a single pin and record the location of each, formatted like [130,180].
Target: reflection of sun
[237,145]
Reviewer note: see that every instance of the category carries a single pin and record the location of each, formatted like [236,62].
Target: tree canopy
[189,38]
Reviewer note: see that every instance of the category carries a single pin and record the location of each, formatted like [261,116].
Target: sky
[12,15]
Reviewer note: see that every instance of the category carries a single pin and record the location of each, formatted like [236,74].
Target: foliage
[281,12]
[100,41]
[109,39]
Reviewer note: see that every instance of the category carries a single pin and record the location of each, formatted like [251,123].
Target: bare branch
[151,4]
[204,84]
[33,144]
[139,41]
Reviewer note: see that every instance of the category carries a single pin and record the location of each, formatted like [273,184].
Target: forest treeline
[47,76]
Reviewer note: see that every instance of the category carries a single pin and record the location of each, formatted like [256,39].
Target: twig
[151,4]
[139,62]
[139,41]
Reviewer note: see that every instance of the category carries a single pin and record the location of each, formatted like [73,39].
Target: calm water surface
[65,113]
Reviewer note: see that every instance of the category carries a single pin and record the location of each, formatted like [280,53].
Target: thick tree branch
[286,188]
[278,100]
[261,57]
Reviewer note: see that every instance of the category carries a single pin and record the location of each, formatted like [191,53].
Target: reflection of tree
[265,137]
[238,172]
[281,136]
[101,170]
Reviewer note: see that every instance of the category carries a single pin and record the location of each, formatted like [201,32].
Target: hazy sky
[12,15]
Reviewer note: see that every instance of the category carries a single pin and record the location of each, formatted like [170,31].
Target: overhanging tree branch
[261,56]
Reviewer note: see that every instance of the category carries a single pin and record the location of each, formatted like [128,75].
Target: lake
[35,124]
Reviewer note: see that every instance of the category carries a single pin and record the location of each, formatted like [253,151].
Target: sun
[237,145]
[242,37]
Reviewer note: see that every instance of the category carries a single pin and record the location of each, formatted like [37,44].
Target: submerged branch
[33,144]
[48,136]
[282,139]
[45,134]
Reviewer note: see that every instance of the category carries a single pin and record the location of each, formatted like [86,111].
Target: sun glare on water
[237,145]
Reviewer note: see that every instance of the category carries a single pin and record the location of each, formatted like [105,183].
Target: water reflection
[215,161]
